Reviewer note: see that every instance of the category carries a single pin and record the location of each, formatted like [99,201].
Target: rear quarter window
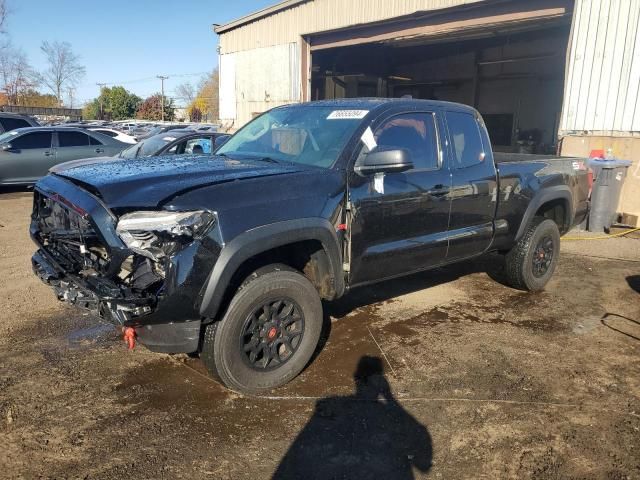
[466,143]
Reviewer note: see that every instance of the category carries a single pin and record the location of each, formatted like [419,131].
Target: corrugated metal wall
[603,69]
[245,89]
[321,15]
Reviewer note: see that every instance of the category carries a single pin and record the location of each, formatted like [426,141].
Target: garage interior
[512,72]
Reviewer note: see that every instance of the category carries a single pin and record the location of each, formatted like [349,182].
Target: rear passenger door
[74,145]
[29,158]
[474,185]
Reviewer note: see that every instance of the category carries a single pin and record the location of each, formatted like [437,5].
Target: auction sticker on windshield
[347,114]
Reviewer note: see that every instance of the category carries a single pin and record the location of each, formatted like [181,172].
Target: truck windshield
[301,134]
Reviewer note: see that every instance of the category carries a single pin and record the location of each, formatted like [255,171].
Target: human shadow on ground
[634,282]
[367,435]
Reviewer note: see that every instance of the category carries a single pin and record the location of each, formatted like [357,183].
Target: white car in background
[120,136]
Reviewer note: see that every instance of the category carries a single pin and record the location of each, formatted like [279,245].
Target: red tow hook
[129,337]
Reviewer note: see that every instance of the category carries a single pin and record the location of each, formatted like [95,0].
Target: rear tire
[530,264]
[268,334]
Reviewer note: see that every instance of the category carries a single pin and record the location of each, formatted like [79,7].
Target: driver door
[399,221]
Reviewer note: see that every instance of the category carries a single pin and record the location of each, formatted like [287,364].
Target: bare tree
[186,93]
[16,75]
[4,13]
[64,68]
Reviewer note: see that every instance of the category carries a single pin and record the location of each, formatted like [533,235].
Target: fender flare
[262,239]
[549,194]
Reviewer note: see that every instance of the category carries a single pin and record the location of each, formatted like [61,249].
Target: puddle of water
[166,384]
[91,334]
[510,314]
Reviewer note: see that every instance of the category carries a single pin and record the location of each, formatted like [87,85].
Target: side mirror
[384,160]
[219,141]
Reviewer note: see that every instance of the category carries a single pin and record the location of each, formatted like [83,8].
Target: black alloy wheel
[272,333]
[543,256]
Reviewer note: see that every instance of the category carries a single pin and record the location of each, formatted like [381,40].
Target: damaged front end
[137,270]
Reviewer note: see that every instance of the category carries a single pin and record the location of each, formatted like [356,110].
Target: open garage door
[507,62]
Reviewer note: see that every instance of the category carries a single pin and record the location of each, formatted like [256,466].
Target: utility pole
[162,79]
[71,91]
[101,85]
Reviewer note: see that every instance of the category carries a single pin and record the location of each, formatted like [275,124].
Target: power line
[149,79]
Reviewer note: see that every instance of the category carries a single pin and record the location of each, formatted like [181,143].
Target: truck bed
[501,157]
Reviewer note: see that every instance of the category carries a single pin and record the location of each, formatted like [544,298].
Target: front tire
[531,262]
[268,334]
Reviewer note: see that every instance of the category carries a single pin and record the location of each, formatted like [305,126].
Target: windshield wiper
[250,157]
[265,159]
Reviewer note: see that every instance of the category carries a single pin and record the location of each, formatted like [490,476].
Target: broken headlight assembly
[161,233]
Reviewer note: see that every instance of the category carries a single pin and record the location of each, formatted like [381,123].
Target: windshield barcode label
[347,114]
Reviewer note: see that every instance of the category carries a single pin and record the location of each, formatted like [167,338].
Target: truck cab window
[465,139]
[414,131]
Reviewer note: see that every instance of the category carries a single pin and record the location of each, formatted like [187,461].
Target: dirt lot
[480,381]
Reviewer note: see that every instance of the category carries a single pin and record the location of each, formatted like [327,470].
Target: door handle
[438,191]
[99,150]
[49,154]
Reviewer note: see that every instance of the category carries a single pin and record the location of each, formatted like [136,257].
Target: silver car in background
[26,154]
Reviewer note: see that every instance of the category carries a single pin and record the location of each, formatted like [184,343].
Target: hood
[82,161]
[150,181]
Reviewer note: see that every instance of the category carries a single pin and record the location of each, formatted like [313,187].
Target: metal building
[545,74]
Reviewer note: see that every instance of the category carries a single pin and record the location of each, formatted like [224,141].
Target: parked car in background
[110,132]
[26,154]
[11,121]
[128,127]
[179,142]
[173,142]
[204,128]
[158,129]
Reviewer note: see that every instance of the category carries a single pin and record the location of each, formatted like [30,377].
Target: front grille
[67,235]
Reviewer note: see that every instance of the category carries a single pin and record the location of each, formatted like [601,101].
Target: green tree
[150,109]
[123,104]
[115,103]
[91,110]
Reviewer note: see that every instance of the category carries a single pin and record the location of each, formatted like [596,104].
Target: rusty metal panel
[603,69]
[286,25]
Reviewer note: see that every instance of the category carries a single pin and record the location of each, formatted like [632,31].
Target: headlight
[137,230]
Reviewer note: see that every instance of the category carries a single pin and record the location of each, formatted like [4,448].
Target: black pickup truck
[230,255]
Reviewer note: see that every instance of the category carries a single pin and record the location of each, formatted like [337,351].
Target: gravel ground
[446,374]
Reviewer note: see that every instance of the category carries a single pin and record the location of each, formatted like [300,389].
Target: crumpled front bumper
[99,297]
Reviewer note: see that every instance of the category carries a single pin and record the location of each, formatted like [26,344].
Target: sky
[127,42]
